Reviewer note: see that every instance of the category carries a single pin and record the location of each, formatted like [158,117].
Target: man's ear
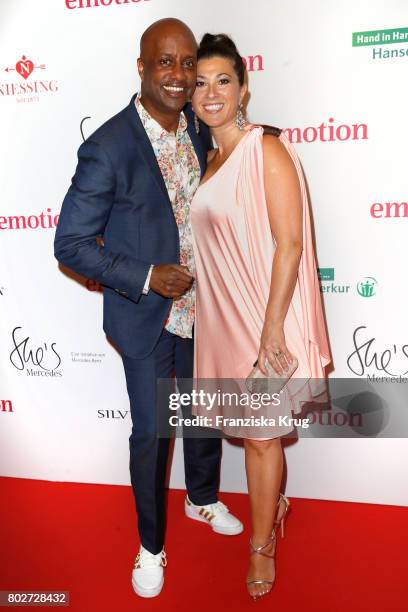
[140,68]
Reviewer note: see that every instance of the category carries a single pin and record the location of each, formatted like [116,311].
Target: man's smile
[174,90]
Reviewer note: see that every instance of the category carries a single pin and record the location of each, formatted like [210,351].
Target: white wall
[311,73]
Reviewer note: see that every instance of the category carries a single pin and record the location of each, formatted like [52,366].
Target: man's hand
[171,280]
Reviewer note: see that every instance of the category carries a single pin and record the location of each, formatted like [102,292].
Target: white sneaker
[147,574]
[216,515]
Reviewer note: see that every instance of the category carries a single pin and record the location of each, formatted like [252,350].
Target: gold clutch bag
[257,382]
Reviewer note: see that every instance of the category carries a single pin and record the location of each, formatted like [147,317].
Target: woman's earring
[240,120]
[196,124]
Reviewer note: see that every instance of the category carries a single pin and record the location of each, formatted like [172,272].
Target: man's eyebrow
[187,57]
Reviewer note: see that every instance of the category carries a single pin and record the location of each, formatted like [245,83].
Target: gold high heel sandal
[259,551]
[280,519]
[279,522]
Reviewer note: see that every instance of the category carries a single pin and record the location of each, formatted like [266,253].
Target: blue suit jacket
[118,192]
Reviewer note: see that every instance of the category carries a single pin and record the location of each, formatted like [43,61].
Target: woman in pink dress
[257,288]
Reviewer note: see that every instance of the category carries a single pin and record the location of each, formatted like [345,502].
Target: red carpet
[82,538]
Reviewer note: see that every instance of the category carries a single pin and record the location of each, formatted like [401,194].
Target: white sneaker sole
[218,529]
[142,592]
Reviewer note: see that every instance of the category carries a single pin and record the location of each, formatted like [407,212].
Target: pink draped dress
[234,250]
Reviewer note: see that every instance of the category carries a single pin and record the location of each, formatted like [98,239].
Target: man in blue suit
[133,184]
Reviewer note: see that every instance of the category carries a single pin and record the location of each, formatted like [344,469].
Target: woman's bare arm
[283,198]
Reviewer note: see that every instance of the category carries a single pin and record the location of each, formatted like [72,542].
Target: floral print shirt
[181,173]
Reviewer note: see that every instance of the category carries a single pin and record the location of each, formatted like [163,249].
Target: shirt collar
[155,129]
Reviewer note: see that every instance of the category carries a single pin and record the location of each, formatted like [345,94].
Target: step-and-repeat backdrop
[334,75]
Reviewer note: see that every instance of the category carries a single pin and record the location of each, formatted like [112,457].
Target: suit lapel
[146,148]
[147,151]
[196,140]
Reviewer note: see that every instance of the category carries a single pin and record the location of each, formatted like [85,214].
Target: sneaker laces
[147,559]
[217,508]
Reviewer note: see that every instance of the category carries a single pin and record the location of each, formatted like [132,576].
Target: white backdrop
[61,63]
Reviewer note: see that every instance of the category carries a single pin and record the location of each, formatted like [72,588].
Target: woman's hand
[273,348]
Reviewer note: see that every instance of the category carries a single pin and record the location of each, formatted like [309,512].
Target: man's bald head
[163,27]
[168,69]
